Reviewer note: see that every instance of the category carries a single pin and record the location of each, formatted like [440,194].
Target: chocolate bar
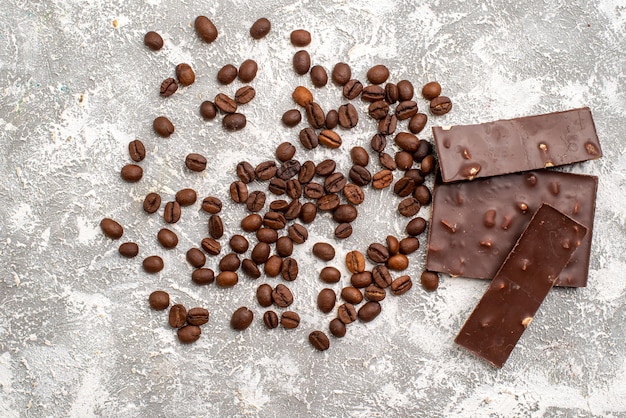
[475,224]
[520,285]
[508,146]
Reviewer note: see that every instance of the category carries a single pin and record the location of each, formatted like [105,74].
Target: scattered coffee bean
[226,278]
[153,40]
[195,162]
[301,62]
[234,121]
[308,138]
[189,334]
[313,190]
[238,191]
[315,115]
[308,213]
[440,105]
[185,74]
[162,126]
[351,295]
[401,285]
[260,252]
[177,316]
[373,93]
[252,222]
[392,93]
[241,319]
[250,268]
[417,123]
[352,89]
[129,249]
[355,261]
[298,233]
[328,202]
[378,110]
[136,150]
[337,328]
[398,262]
[369,311]
[264,295]
[348,116]
[278,187]
[245,172]
[111,228]
[329,139]
[422,194]
[324,251]
[382,179]
[289,270]
[167,238]
[319,77]
[381,276]
[387,126]
[416,226]
[151,203]
[403,160]
[282,296]
[211,204]
[211,246]
[171,213]
[429,280]
[186,197]
[319,340]
[205,29]
[300,38]
[274,220]
[359,156]
[265,170]
[409,207]
[346,313]
[273,266]
[131,173]
[335,182]
[409,245]
[267,235]
[225,103]
[431,90]
[159,300]
[285,151]
[197,316]
[406,110]
[378,142]
[332,119]
[424,148]
[343,230]
[227,74]
[244,95]
[326,300]
[405,90]
[404,187]
[378,74]
[353,194]
[330,274]
[387,161]
[270,319]
[203,276]
[260,28]
[153,264]
[307,172]
[255,201]
[290,320]
[393,245]
[427,165]
[284,246]
[292,117]
[302,96]
[248,70]
[208,110]
[345,213]
[230,262]
[288,169]
[361,280]
[378,253]
[341,73]
[195,257]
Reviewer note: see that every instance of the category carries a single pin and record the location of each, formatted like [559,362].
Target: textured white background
[77,337]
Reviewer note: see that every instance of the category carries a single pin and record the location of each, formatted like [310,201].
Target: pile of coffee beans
[296,191]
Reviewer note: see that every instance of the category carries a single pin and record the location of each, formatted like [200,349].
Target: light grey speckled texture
[77,337]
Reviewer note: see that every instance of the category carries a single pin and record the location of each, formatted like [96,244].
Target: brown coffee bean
[361,280]
[230,262]
[185,74]
[289,270]
[211,204]
[332,119]
[294,208]
[355,261]
[195,257]
[378,143]
[424,148]
[284,246]
[195,162]
[282,296]
[348,116]
[252,222]
[159,300]
[324,251]
[343,230]
[387,161]
[345,213]
[319,340]
[171,213]
[298,233]
[227,74]
[152,202]
[414,174]
[288,169]
[267,235]
[401,285]
[208,110]
[353,194]
[248,70]
[319,76]
[162,126]
[225,103]
[255,201]
[378,74]
[313,190]
[186,197]
[335,183]
[308,213]
[111,228]
[273,266]
[250,268]
[427,165]
[337,328]
[315,115]
[260,28]
[422,194]
[302,96]
[381,276]
[177,316]
[290,320]
[274,220]
[238,191]
[291,117]
[378,253]
[398,262]
[308,138]
[245,172]
[359,156]
[404,187]
[239,243]
[417,123]
[307,172]
[301,62]
[260,252]
[131,173]
[352,295]
[431,90]
[406,141]
[440,105]
[341,73]
[189,334]
[128,249]
[285,151]
[211,246]
[270,319]
[347,313]
[153,264]
[382,179]
[330,274]
[416,226]
[409,245]
[205,29]
[325,168]
[136,150]
[226,279]
[300,38]
[264,295]
[167,238]
[265,170]
[326,299]
[278,187]
[373,94]
[403,160]
[378,110]
[244,95]
[369,311]
[197,316]
[202,276]
[409,207]
[329,139]
[392,93]
[241,319]
[216,226]
[393,245]
[352,89]
[387,125]
[153,40]
[234,122]
[429,280]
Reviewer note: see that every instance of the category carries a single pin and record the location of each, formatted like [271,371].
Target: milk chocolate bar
[520,285]
[508,146]
[475,224]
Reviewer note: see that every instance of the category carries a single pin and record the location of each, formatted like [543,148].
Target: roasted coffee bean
[291,117]
[260,252]
[167,238]
[335,182]
[153,264]
[387,161]
[387,126]
[285,151]
[186,197]
[329,139]
[153,40]
[288,169]
[195,257]
[159,300]
[337,328]
[293,209]
[308,138]
[208,110]
[307,172]
[265,170]
[241,319]
[406,110]
[381,276]
[427,165]
[319,340]
[353,194]
[216,226]
[128,249]
[230,262]
[255,201]
[277,186]
[301,62]
[171,213]
[422,194]
[431,90]
[298,233]
[302,96]
[185,74]
[332,119]
[273,266]
[361,280]
[264,295]
[429,280]
[348,116]
[205,29]
[326,299]
[416,226]
[328,202]
[274,220]
[270,319]
[162,126]
[341,73]
[238,191]
[369,311]
[325,168]
[197,316]
[324,251]
[225,103]
[378,74]
[177,316]
[260,28]
[360,175]
[440,105]
[315,115]
[405,90]
[245,172]
[378,253]
[211,204]
[352,295]
[343,230]
[300,38]
[282,296]
[401,285]
[319,77]
[136,150]
[234,121]
[131,173]
[352,89]
[409,245]
[211,246]
[355,261]
[330,274]
[189,334]
[308,213]
[407,142]
[247,71]
[244,95]
[393,245]
[202,276]
[359,156]
[152,202]
[409,207]
[279,205]
[398,262]
[227,74]
[195,162]
[313,190]
[378,142]
[372,94]
[284,246]
[392,93]
[289,269]
[417,123]
[378,110]
[345,213]
[290,320]
[424,148]
[382,179]
[404,160]
[404,187]
[346,313]
[414,174]
[111,228]
[226,279]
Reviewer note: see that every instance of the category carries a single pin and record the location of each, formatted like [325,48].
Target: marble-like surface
[77,337]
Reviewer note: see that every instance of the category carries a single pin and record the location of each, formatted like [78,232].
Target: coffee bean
[378,253]
[238,191]
[361,280]
[300,38]
[111,228]
[211,246]
[352,89]
[405,90]
[260,28]
[406,110]
[129,249]
[177,316]
[265,170]
[378,74]
[308,138]
[369,311]
[197,316]
[250,268]
[291,117]
[255,201]
[360,175]
[341,73]
[225,103]
[131,173]
[431,90]
[284,246]
[153,264]
[289,270]
[234,121]
[244,95]
[294,208]
[378,110]
[326,299]
[332,119]
[267,235]
[392,93]
[348,116]
[381,276]
[401,285]
[185,74]
[416,226]
[353,194]
[343,230]
[409,207]
[382,179]
[308,213]
[324,251]
[417,123]
[325,168]
[241,319]
[378,142]
[227,74]
[264,295]
[347,313]
[205,29]
[422,194]
[330,274]
[216,226]
[319,340]
[427,165]
[270,319]
[167,238]
[195,257]
[355,261]
[404,187]
[211,204]
[345,213]
[208,110]
[230,262]
[407,142]
[171,213]
[298,233]
[189,334]
[440,105]
[429,280]
[329,139]
[151,203]
[279,205]
[403,160]
[351,295]
[335,182]
[137,150]
[302,96]
[260,252]
[319,77]
[393,245]
[414,173]
[359,156]
[288,169]
[153,40]
[337,328]
[195,162]
[372,94]
[374,293]
[313,190]
[162,126]
[252,222]
[307,172]
[290,320]
[282,296]
[285,151]
[248,70]
[409,245]
[387,125]
[226,279]
[273,266]
[274,220]
[301,62]
[245,172]
[159,300]
[186,197]
[398,262]
[315,115]
[424,148]
[202,276]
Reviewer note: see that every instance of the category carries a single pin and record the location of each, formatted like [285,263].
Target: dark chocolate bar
[488,149]
[520,285]
[475,224]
